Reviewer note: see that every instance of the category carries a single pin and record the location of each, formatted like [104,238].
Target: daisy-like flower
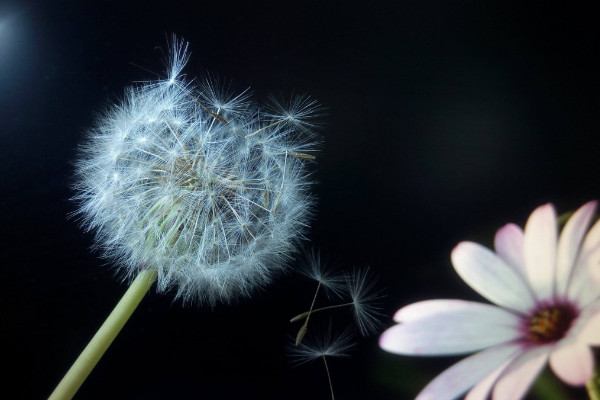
[547,310]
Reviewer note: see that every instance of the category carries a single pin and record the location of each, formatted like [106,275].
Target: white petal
[509,246]
[573,364]
[570,243]
[518,376]
[432,308]
[489,275]
[461,376]
[540,250]
[482,390]
[449,327]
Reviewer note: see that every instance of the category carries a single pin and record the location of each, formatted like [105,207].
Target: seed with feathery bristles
[360,287]
[365,298]
[322,344]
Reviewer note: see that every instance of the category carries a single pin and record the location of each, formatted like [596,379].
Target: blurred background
[444,121]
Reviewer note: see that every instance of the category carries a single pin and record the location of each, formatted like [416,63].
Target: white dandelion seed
[322,346]
[365,300]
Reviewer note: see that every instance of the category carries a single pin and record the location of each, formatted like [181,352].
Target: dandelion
[195,188]
[548,310]
[199,185]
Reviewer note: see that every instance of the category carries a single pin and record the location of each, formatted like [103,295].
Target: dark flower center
[551,323]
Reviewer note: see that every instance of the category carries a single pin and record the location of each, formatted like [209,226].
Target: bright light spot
[116,176]
[6,35]
[18,51]
[143,139]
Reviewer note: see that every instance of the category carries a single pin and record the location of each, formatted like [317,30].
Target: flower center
[550,324]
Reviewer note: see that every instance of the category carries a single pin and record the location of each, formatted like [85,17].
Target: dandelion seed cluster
[206,187]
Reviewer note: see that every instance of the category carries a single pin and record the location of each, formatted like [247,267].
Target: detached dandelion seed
[313,268]
[359,287]
[194,188]
[365,298]
[322,346]
[361,290]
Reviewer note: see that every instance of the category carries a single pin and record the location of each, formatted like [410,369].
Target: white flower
[204,186]
[548,310]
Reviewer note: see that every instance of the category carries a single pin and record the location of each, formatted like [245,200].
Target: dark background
[445,120]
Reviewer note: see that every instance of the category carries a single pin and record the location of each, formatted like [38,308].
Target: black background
[445,120]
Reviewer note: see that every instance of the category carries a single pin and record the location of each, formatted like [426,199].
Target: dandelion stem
[328,378]
[103,338]
[307,313]
[593,386]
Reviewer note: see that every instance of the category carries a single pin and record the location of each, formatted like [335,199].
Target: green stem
[593,386]
[90,356]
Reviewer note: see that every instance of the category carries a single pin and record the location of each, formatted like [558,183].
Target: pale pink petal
[509,246]
[589,333]
[596,272]
[482,390]
[573,363]
[461,376]
[491,277]
[540,250]
[569,244]
[584,286]
[462,327]
[517,377]
[592,239]
[584,329]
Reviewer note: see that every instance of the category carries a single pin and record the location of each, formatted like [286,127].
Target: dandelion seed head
[196,183]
